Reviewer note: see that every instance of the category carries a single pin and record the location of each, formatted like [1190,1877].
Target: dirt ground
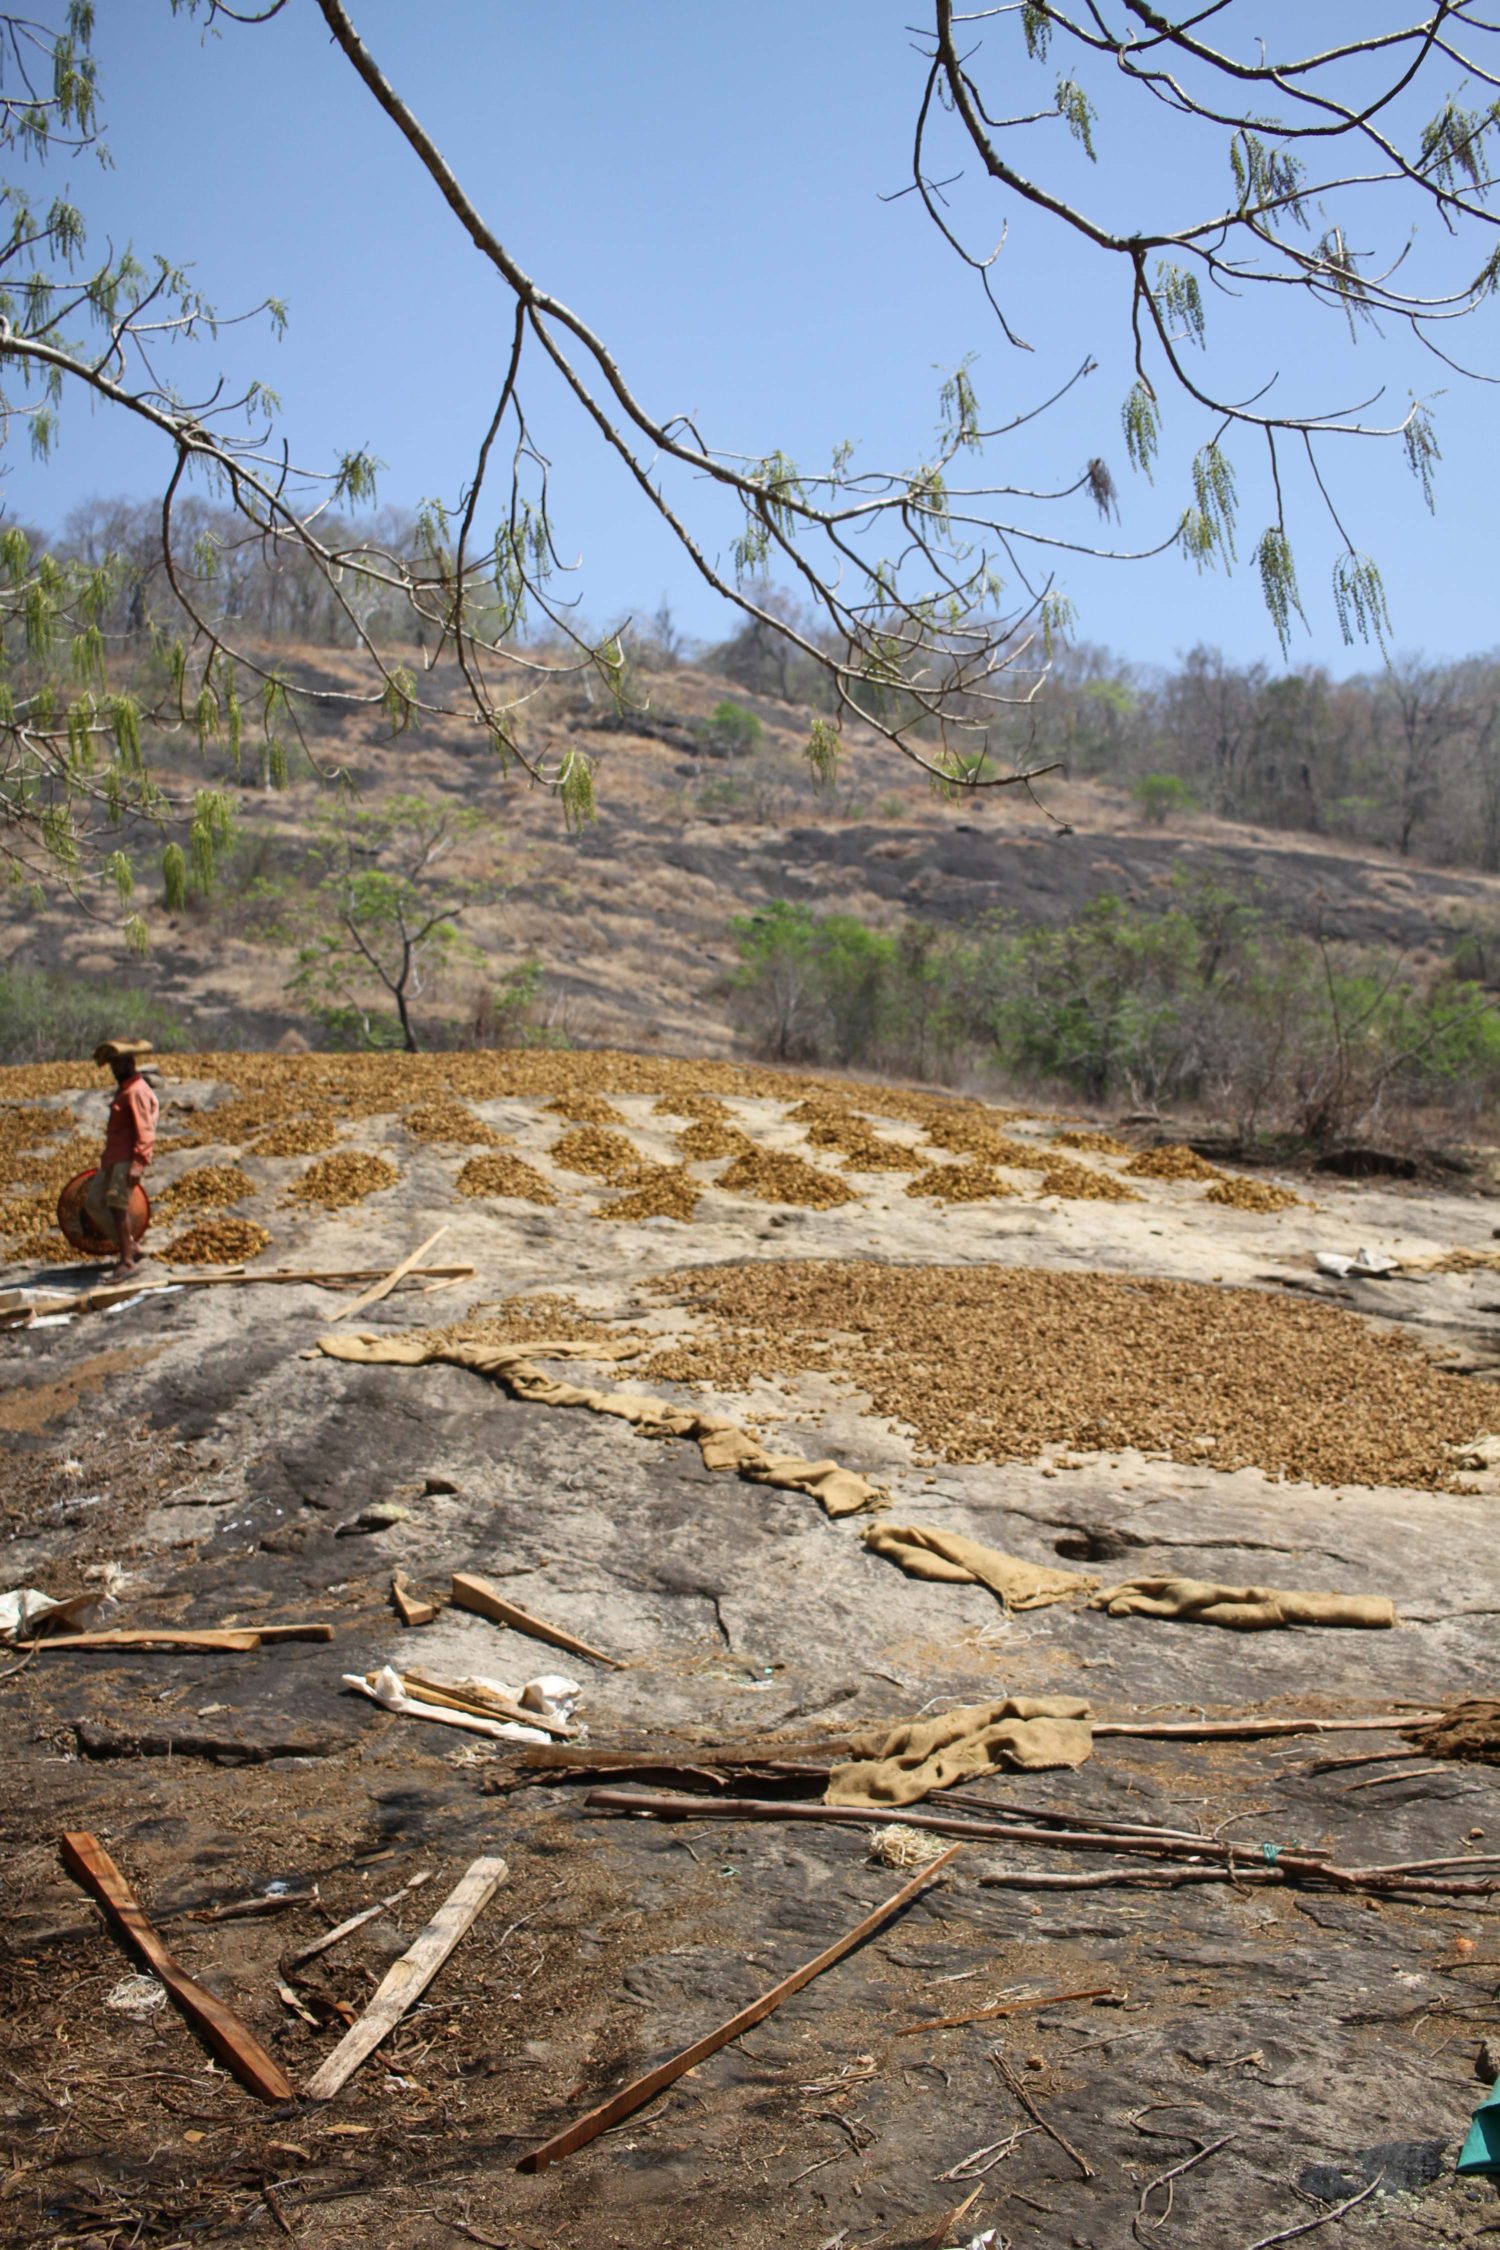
[1276,2049]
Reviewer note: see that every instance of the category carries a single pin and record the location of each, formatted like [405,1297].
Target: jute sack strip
[925,1552]
[1243,1609]
[723,1444]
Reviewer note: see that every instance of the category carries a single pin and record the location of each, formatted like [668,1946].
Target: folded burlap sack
[1029,1732]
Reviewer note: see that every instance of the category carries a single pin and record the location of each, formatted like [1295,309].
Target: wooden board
[234,2044]
[486,1600]
[373,1295]
[407,1979]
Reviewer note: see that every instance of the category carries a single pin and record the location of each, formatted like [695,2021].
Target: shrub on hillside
[47,1015]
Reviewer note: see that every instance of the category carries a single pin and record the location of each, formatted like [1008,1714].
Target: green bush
[1197,999]
[733,731]
[47,1015]
[1160,797]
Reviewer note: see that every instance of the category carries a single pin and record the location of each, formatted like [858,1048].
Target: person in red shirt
[129,1144]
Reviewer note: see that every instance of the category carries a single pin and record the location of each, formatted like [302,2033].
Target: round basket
[73,1217]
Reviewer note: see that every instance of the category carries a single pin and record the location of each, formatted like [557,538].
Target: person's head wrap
[111,1051]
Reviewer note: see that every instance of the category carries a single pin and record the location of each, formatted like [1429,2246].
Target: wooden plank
[410,1608]
[373,1295]
[407,1979]
[642,2090]
[234,2044]
[237,1637]
[486,1600]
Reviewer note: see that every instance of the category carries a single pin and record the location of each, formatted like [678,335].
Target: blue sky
[703,183]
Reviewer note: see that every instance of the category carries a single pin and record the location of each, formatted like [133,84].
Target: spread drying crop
[997,1363]
[666,1191]
[451,1121]
[961,1183]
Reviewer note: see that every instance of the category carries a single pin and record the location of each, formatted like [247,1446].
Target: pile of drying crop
[348,1177]
[231,1124]
[710,1137]
[218,1242]
[859,1144]
[976,1137]
[1173,1162]
[585,1109]
[666,1191]
[699,1106]
[1081,1183]
[211,1187]
[451,1121]
[296,1136]
[504,1174]
[1241,1194]
[997,1363]
[961,1183]
[1091,1143]
[773,1176]
[601,1154]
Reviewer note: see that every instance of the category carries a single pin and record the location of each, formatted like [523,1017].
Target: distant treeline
[1406,757]
[1198,998]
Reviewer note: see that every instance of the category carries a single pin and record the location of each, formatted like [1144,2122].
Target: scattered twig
[355,1922]
[1030,2107]
[969,2167]
[1323,2219]
[1409,1773]
[1010,2008]
[945,2226]
[268,2197]
[1165,2180]
[642,2090]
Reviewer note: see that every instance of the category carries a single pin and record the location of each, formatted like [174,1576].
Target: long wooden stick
[486,1600]
[642,2090]
[407,1979]
[85,1857]
[373,1295]
[1251,1730]
[1236,1859]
